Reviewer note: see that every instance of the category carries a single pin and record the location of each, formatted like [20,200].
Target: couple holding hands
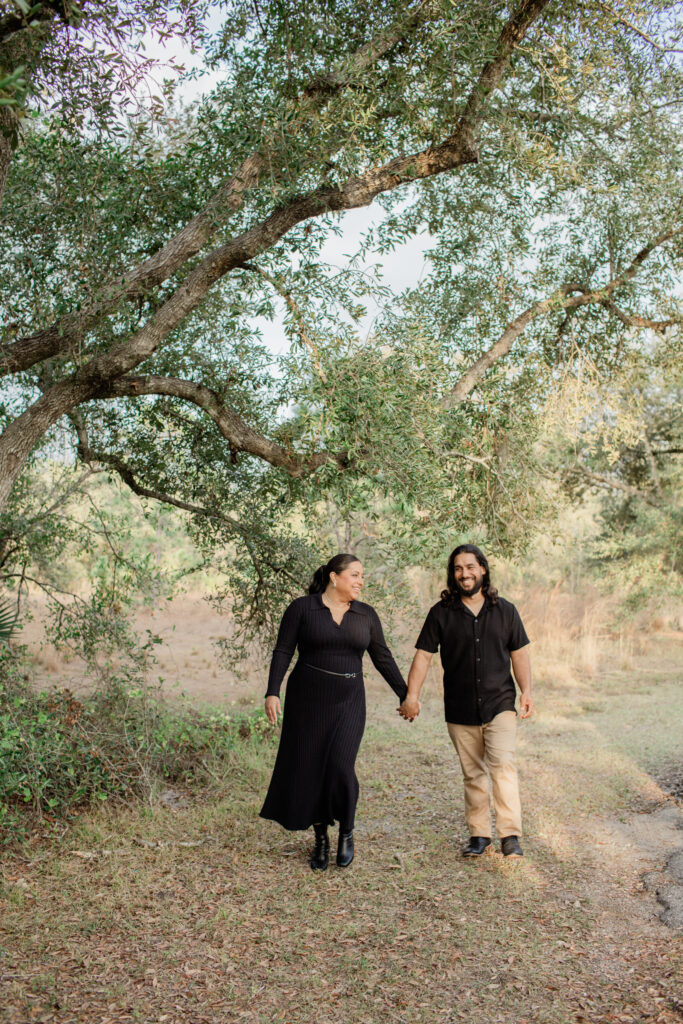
[481,638]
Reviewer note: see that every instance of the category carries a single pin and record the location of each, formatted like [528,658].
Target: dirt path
[207,915]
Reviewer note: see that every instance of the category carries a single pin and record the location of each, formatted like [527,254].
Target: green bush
[58,752]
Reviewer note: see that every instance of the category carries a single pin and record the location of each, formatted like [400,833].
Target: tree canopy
[536,146]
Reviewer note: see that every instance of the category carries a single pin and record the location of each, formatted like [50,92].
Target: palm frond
[8,620]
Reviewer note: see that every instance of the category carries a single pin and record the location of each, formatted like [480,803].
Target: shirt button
[477,639]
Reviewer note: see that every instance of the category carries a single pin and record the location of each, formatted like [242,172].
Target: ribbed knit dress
[314,778]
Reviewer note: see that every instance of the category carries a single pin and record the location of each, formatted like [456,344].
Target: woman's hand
[273,709]
[410,709]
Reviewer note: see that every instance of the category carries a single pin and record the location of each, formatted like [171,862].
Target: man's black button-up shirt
[475,654]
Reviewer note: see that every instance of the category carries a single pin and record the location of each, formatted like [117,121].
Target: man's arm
[521,666]
[410,708]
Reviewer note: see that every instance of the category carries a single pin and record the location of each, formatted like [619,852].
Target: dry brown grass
[187,661]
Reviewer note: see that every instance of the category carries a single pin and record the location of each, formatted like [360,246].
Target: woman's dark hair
[321,576]
[452,594]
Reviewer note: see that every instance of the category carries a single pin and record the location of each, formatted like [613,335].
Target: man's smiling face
[469,575]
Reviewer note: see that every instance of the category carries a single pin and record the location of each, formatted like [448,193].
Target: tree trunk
[23,434]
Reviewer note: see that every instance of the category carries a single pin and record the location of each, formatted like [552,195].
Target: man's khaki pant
[490,746]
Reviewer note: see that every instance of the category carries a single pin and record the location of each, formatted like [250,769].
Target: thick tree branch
[502,346]
[68,332]
[564,298]
[239,434]
[126,474]
[455,151]
[9,126]
[509,39]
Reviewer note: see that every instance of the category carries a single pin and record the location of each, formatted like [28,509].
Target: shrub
[58,752]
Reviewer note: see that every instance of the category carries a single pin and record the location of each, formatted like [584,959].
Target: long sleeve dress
[314,778]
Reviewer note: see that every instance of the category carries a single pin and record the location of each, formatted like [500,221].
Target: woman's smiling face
[348,582]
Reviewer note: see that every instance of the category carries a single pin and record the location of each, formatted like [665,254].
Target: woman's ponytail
[321,578]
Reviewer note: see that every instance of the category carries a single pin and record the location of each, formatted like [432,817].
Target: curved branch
[126,474]
[68,332]
[89,455]
[240,436]
[629,320]
[564,297]
[502,346]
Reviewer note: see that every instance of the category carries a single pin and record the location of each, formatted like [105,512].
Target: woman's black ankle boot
[345,849]
[320,857]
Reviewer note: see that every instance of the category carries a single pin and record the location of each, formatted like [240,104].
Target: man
[479,634]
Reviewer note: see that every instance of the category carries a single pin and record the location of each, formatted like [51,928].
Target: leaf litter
[214,917]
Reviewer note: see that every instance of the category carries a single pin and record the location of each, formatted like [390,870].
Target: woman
[314,782]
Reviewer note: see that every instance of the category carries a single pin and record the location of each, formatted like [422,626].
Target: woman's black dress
[324,714]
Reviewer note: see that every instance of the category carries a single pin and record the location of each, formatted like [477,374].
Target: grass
[206,914]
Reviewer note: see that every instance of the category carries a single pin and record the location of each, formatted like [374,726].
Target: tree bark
[9,126]
[241,437]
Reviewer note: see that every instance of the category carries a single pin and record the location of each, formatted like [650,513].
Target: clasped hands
[409,709]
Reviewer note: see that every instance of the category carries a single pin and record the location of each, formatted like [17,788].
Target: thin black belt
[345,675]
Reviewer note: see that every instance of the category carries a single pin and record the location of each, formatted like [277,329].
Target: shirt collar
[353,607]
[461,606]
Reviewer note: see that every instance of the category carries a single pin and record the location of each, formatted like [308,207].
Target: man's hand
[526,706]
[273,709]
[410,709]
[521,666]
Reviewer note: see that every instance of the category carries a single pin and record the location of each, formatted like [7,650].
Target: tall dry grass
[575,636]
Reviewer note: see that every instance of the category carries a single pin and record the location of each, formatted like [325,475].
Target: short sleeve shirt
[475,654]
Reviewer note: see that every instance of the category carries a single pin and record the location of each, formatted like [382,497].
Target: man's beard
[469,593]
